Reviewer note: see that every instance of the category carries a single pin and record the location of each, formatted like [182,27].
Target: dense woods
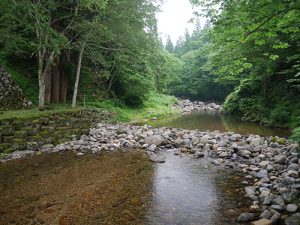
[115,51]
[246,54]
[249,49]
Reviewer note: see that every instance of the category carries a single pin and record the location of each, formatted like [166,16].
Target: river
[214,120]
[124,187]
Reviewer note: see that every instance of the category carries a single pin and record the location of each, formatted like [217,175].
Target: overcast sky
[173,20]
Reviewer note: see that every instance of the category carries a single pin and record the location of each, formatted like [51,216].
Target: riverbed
[100,185]
[117,188]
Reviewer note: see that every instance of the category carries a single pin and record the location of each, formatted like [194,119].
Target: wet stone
[245,217]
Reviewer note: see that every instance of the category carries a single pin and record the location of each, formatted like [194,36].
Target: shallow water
[66,189]
[194,191]
[117,188]
[212,120]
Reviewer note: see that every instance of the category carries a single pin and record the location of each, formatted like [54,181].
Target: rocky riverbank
[270,165]
[187,106]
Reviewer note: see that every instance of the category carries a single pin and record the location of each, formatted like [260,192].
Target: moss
[48,129]
[4,146]
[280,141]
[37,138]
[7,130]
[44,133]
[8,150]
[18,144]
[62,128]
[85,131]
[18,123]
[31,131]
[20,134]
[8,139]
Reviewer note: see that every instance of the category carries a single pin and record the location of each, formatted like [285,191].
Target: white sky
[173,19]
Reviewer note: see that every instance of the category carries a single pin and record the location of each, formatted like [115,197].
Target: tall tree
[169,45]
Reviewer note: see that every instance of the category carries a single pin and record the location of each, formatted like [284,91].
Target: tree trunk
[41,89]
[48,78]
[77,76]
[266,89]
[42,71]
[55,82]
[63,81]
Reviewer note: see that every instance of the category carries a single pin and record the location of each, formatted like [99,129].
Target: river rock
[276,216]
[262,222]
[292,208]
[245,217]
[279,201]
[156,158]
[256,141]
[293,219]
[280,159]
[261,174]
[293,166]
[268,200]
[152,148]
[198,154]
[264,164]
[265,214]
[205,139]
[244,153]
[250,190]
[155,139]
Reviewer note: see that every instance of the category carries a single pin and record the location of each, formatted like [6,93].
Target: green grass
[157,105]
[34,112]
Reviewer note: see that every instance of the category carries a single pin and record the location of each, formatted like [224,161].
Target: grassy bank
[157,105]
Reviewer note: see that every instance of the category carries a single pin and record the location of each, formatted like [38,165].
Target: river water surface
[214,120]
[125,188]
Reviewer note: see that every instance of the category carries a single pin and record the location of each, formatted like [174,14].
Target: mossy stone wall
[33,133]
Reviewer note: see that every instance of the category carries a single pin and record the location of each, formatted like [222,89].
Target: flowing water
[125,188]
[117,188]
[213,120]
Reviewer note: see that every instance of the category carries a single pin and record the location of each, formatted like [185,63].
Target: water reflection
[189,191]
[211,120]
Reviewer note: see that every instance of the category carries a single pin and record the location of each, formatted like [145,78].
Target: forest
[246,56]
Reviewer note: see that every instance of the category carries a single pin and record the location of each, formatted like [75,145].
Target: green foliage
[296,135]
[123,56]
[256,44]
[196,81]
[156,105]
[169,45]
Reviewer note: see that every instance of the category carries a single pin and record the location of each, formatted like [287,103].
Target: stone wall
[11,96]
[34,133]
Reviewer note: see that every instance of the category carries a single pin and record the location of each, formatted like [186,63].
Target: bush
[280,116]
[296,135]
[133,99]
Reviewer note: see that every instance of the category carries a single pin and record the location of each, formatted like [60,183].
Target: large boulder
[154,140]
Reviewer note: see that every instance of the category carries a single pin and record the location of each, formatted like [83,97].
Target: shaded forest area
[112,47]
[248,55]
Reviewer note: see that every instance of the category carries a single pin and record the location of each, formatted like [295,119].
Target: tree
[169,45]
